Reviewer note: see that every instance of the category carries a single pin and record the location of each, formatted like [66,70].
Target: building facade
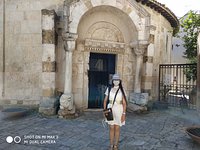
[73,47]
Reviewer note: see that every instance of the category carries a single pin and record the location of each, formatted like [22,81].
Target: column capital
[139,47]
[69,45]
[67,36]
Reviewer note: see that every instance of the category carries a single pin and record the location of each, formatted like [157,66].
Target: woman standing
[118,109]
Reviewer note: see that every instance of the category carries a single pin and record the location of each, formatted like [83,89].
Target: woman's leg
[112,133]
[117,134]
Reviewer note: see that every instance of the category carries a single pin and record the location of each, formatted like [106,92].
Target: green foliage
[191,26]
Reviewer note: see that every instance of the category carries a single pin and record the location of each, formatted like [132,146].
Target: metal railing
[176,87]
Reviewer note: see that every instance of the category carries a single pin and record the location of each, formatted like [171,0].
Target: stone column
[67,108]
[137,97]
[147,79]
[48,103]
[139,49]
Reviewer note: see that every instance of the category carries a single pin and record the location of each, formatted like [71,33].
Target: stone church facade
[72,48]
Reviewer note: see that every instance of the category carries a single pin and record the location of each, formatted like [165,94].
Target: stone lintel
[48,66]
[104,46]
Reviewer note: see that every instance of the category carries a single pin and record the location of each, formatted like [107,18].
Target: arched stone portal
[104,27]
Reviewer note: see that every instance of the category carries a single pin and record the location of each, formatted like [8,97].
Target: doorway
[101,68]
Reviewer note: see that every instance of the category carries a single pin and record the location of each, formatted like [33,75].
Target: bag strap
[115,96]
[109,88]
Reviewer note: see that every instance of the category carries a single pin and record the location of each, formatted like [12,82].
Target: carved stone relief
[105,31]
[104,37]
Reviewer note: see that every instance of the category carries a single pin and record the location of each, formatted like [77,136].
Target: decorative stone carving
[105,31]
[67,108]
[105,46]
[139,47]
[139,98]
[48,66]
[66,102]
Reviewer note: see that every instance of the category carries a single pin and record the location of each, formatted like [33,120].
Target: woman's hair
[121,88]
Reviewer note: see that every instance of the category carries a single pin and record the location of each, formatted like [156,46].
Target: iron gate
[174,86]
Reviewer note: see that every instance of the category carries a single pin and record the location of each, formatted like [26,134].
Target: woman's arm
[124,105]
[105,102]
[124,110]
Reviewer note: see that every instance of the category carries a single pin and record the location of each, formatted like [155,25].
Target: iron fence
[176,86]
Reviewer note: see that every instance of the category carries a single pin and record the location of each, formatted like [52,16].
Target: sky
[181,7]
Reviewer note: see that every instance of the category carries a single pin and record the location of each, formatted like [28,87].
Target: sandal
[115,147]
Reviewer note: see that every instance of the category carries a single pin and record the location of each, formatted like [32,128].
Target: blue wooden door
[101,66]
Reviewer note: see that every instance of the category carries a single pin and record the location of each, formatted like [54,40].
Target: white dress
[117,108]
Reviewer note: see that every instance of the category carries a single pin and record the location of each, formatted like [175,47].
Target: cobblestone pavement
[157,130]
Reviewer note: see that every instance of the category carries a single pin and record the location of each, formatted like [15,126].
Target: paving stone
[157,130]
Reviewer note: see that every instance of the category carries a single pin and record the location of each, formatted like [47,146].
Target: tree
[191,26]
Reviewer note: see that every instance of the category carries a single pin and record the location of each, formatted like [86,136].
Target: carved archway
[104,37]
[105,31]
[123,24]
[139,16]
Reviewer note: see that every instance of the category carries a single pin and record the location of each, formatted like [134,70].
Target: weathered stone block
[5,102]
[136,108]
[20,102]
[48,66]
[139,98]
[49,102]
[1,26]
[48,52]
[96,2]
[31,26]
[151,38]
[15,16]
[27,39]
[88,3]
[32,15]
[48,80]
[32,103]
[148,59]
[47,111]
[48,37]
[66,112]
[48,92]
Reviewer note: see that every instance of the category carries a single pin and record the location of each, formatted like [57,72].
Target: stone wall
[23,50]
[159,51]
